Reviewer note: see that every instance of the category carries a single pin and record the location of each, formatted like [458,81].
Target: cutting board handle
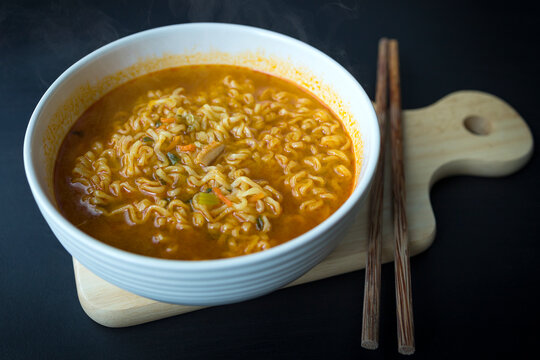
[469,133]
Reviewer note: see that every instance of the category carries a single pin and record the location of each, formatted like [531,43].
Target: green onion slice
[207,199]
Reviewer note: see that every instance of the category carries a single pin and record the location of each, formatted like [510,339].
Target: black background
[475,290]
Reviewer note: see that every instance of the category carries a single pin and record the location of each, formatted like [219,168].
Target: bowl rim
[97,246]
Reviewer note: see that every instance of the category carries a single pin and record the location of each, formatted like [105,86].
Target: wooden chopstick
[405,324]
[372,287]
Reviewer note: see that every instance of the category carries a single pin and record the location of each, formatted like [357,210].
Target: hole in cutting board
[477,125]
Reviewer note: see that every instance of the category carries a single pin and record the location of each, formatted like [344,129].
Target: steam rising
[318,25]
[64,31]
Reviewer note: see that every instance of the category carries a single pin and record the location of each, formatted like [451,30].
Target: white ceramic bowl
[209,282]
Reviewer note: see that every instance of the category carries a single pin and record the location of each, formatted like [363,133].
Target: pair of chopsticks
[388,73]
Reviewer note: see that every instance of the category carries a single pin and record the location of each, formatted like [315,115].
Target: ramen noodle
[203,162]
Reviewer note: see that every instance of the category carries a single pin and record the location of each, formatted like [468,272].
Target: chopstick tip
[406,350]
[370,344]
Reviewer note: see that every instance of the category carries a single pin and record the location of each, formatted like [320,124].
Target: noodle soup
[203,162]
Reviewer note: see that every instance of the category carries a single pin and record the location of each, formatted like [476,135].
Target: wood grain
[437,145]
[372,287]
[404,306]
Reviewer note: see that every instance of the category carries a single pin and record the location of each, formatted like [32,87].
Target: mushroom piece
[209,153]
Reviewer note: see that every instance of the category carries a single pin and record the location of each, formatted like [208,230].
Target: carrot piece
[167,120]
[222,197]
[256,197]
[173,143]
[190,147]
[162,127]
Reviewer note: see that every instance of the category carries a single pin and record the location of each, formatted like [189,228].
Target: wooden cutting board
[466,132]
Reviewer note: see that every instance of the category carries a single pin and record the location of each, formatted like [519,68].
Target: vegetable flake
[173,158]
[259,224]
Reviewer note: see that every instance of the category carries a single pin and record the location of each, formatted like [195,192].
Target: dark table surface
[475,291]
